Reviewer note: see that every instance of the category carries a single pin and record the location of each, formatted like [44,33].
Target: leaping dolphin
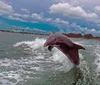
[65,45]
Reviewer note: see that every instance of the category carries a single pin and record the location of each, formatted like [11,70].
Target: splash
[55,55]
[38,43]
[97,60]
[38,61]
[59,57]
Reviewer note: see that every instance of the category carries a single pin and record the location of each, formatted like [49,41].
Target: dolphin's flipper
[78,46]
[50,48]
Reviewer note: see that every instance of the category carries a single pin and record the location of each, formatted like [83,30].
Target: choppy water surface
[24,61]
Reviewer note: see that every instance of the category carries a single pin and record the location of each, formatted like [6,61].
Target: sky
[77,16]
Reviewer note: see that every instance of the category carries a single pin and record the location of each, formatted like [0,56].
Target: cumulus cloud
[26,16]
[72,2]
[57,21]
[60,21]
[73,11]
[5,8]
[16,18]
[25,10]
[48,19]
[97,8]
[79,29]
[37,16]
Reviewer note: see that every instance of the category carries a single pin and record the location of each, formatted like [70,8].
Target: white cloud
[97,8]
[22,15]
[5,8]
[79,29]
[48,19]
[16,18]
[37,16]
[72,2]
[60,21]
[73,11]
[25,10]
[32,16]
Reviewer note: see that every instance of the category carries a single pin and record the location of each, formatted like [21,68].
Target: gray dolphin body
[65,45]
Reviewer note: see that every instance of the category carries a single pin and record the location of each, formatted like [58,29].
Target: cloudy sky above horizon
[79,16]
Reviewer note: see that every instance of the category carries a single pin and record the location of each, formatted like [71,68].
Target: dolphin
[65,45]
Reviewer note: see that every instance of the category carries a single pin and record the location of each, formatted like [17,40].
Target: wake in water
[97,60]
[40,64]
[56,56]
[36,48]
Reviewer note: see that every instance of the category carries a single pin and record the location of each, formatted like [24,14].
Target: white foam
[57,56]
[5,62]
[6,82]
[26,66]
[37,43]
[97,60]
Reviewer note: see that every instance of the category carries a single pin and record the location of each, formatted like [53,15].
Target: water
[24,61]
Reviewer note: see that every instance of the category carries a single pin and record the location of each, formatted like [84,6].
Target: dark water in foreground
[24,61]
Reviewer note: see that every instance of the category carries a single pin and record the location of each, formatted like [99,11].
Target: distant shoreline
[9,31]
[71,35]
[79,35]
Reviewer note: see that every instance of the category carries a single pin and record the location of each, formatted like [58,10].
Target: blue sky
[78,16]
